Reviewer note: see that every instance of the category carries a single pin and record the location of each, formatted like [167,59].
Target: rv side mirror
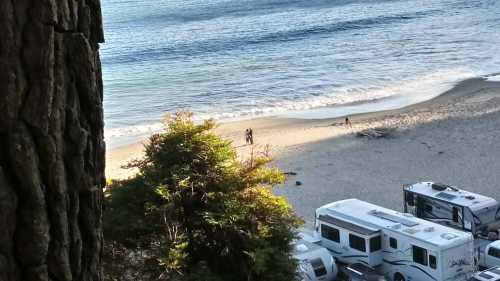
[455,214]
[410,201]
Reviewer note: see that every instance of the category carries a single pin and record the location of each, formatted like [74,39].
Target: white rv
[400,246]
[459,209]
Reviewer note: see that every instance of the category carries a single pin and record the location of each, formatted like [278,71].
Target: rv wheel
[398,277]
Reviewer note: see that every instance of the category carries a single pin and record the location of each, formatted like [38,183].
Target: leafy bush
[196,212]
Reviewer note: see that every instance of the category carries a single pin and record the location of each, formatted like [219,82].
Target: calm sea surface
[230,59]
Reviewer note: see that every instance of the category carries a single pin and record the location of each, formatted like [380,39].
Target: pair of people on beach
[348,122]
[249,136]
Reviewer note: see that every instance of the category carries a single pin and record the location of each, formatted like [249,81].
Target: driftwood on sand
[375,133]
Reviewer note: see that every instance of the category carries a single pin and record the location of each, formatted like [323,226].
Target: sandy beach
[453,138]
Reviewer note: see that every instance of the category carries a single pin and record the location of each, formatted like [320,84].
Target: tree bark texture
[51,140]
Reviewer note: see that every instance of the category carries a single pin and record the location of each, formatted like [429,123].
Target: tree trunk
[51,140]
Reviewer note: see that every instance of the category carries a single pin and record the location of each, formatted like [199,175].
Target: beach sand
[453,138]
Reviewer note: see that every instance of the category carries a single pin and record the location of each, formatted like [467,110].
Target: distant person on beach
[247,136]
[348,122]
[250,135]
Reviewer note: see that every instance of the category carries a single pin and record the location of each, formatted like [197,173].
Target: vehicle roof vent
[397,226]
[301,248]
[429,229]
[470,197]
[446,196]
[442,187]
[486,275]
[448,236]
[439,186]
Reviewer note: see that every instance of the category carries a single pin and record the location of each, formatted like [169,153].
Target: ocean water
[230,59]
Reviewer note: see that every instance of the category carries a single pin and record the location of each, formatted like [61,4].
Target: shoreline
[286,134]
[453,139]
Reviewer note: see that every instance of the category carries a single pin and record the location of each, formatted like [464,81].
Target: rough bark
[51,140]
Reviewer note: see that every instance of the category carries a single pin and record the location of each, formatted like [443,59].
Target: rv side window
[357,243]
[494,252]
[420,255]
[455,214]
[318,266]
[393,243]
[375,244]
[409,199]
[330,233]
[432,261]
[428,208]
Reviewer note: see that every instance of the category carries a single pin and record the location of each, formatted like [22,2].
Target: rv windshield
[485,220]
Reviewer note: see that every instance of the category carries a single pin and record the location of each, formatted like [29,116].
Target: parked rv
[460,209]
[491,274]
[399,246]
[315,262]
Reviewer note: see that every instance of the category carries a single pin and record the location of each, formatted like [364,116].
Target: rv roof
[453,195]
[374,217]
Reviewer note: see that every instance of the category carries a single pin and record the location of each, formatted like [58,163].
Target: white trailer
[460,209]
[400,246]
[315,262]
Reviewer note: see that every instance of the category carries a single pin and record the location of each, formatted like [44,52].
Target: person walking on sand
[348,122]
[250,135]
[247,136]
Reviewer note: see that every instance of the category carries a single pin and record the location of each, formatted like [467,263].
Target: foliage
[199,213]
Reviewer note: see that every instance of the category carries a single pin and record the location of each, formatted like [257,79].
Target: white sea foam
[409,91]
[121,135]
[495,78]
